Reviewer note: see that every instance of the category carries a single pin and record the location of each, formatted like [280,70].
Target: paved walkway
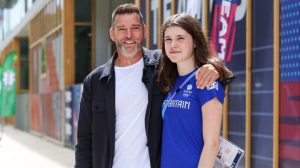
[20,149]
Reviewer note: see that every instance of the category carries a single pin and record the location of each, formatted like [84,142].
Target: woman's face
[179,45]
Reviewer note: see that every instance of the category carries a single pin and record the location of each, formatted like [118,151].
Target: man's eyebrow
[133,25]
[120,26]
[136,25]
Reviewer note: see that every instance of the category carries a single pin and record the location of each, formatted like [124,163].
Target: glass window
[10,3]
[82,52]
[24,76]
[83,11]
[262,85]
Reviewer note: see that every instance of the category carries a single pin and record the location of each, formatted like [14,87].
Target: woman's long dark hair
[202,52]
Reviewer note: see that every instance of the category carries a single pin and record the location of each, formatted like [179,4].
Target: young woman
[192,117]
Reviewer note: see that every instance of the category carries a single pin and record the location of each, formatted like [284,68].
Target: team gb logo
[189,87]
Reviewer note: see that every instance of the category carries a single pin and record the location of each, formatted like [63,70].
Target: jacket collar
[148,58]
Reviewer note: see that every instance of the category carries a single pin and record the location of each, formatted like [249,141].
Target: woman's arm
[212,119]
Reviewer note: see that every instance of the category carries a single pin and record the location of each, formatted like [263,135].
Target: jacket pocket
[98,108]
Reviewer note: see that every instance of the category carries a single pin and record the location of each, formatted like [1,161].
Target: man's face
[128,33]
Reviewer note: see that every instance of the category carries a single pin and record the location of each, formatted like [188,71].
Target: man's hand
[206,76]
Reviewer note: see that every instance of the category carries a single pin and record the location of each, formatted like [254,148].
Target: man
[120,121]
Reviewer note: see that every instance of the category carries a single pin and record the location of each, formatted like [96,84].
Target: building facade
[58,42]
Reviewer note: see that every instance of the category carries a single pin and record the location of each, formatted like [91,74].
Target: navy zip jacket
[96,126]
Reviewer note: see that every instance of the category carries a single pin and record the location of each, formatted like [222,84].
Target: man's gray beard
[125,53]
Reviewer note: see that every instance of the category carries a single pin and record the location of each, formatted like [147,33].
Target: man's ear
[111,34]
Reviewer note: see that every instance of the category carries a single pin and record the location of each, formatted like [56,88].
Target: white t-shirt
[131,104]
